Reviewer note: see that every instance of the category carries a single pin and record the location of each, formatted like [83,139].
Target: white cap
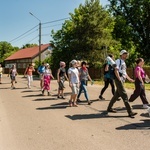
[47,64]
[73,62]
[123,52]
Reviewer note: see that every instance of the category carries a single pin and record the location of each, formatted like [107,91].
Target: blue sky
[16,20]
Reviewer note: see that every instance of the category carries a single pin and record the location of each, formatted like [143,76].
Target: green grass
[127,84]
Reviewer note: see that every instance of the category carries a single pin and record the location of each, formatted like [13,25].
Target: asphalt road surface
[30,121]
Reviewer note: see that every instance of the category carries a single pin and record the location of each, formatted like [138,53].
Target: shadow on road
[144,125]
[104,114]
[45,99]
[62,105]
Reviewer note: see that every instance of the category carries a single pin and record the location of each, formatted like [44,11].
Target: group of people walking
[78,76]
[117,73]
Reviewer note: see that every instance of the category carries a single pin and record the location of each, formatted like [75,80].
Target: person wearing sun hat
[73,75]
[47,76]
[121,76]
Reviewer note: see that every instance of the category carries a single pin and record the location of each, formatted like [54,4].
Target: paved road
[30,121]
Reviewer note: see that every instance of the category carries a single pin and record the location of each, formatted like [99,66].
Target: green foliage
[84,35]
[132,25]
[6,49]
[28,46]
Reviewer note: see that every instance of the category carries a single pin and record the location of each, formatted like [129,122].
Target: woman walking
[61,76]
[139,84]
[84,77]
[13,73]
[47,76]
[108,79]
[74,82]
[29,72]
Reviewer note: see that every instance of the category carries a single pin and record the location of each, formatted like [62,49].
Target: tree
[28,46]
[84,35]
[6,49]
[132,25]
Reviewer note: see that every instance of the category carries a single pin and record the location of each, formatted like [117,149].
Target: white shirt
[121,66]
[74,75]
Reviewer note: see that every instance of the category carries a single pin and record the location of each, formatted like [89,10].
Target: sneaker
[101,98]
[145,106]
[78,100]
[89,102]
[132,114]
[42,92]
[111,110]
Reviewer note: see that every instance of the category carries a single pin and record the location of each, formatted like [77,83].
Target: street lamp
[39,36]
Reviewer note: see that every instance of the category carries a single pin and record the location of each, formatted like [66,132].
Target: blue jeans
[83,87]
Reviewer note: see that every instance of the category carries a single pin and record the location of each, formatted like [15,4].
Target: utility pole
[39,36]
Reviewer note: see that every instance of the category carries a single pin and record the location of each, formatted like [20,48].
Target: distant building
[23,57]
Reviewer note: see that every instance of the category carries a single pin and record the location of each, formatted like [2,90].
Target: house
[23,57]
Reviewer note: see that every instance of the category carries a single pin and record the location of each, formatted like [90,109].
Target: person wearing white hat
[121,76]
[73,75]
[47,76]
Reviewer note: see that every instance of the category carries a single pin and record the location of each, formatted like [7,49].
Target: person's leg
[111,81]
[106,83]
[29,80]
[137,91]
[80,90]
[143,97]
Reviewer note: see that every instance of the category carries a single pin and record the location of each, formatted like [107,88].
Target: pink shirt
[142,72]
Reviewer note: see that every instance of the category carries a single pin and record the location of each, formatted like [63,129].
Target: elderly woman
[13,73]
[74,82]
[61,76]
[139,84]
[47,76]
[84,77]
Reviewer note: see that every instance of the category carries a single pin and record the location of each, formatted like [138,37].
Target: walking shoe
[78,100]
[145,106]
[62,97]
[101,98]
[89,102]
[132,114]
[42,92]
[111,110]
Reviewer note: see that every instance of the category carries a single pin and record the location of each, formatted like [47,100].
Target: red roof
[27,52]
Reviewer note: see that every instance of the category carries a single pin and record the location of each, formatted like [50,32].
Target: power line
[56,20]
[23,34]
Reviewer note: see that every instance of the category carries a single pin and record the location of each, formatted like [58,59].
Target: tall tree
[132,25]
[6,49]
[85,34]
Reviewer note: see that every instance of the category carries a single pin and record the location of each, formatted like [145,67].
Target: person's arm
[66,77]
[139,77]
[69,77]
[38,70]
[131,80]
[58,79]
[106,67]
[117,74]
[25,72]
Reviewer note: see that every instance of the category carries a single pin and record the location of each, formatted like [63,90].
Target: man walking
[121,76]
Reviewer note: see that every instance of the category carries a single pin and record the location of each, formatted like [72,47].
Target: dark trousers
[120,92]
[139,91]
[106,84]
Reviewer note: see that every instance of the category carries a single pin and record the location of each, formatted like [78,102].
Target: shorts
[61,85]
[13,78]
[75,88]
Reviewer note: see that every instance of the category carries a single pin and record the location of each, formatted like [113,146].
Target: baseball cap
[123,52]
